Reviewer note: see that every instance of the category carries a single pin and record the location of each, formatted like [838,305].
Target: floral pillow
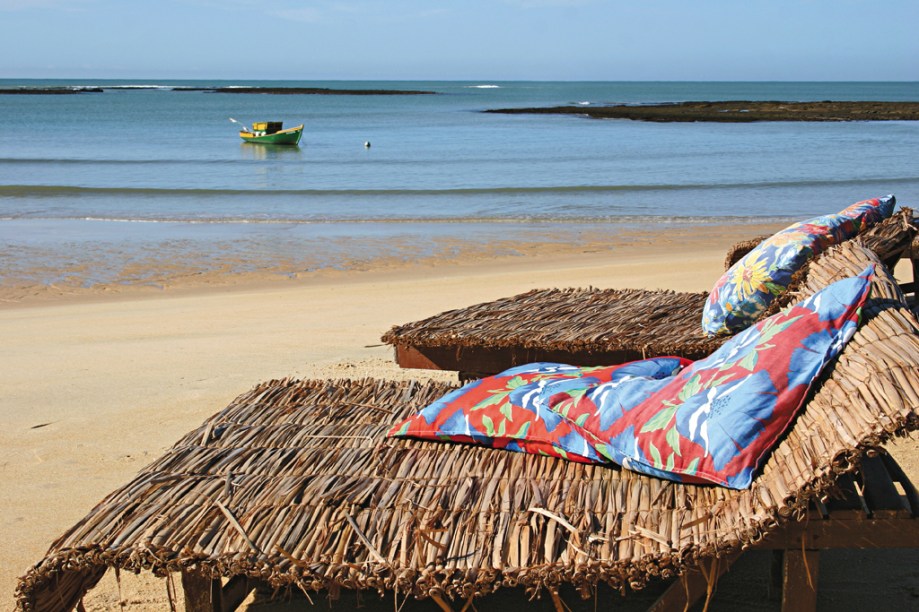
[716,419]
[710,421]
[744,292]
[510,410]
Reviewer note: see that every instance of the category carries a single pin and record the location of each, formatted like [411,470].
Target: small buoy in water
[366,144]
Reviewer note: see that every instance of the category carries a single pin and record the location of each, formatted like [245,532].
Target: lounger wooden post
[235,592]
[694,584]
[202,593]
[869,513]
[799,580]
[207,594]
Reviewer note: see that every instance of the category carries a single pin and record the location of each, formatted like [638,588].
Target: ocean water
[145,181]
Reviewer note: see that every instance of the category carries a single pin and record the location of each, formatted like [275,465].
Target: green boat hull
[284,137]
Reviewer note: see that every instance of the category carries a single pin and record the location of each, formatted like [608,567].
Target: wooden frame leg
[202,594]
[776,565]
[689,588]
[800,569]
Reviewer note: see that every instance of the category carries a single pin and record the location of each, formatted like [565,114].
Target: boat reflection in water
[261,153]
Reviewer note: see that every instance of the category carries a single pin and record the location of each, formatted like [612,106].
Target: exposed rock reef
[738,111]
[49,90]
[317,91]
[236,90]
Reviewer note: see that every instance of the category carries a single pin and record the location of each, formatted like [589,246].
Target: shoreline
[199,275]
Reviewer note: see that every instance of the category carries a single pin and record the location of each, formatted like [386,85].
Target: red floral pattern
[709,421]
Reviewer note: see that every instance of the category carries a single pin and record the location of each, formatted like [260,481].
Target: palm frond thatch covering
[739,249]
[631,322]
[646,322]
[891,239]
[295,483]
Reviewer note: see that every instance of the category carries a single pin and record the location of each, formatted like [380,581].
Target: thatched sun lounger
[590,326]
[294,485]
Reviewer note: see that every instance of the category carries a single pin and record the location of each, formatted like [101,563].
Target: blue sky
[461,39]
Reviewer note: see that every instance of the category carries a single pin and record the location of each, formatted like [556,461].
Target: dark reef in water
[46,91]
[738,111]
[315,91]
[318,91]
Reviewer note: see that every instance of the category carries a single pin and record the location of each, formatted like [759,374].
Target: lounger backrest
[889,240]
[870,392]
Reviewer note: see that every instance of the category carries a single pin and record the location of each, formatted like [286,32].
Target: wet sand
[99,383]
[101,270]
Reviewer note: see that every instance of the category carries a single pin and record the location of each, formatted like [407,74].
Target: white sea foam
[484,86]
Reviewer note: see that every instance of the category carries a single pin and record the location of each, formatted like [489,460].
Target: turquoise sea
[146,179]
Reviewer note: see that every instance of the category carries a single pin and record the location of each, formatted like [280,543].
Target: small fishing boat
[271,132]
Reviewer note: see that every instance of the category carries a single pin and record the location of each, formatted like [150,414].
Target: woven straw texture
[295,483]
[637,323]
[581,320]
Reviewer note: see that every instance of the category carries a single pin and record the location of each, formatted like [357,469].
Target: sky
[602,40]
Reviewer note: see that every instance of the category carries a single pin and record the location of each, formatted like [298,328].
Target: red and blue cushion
[709,421]
[510,411]
[747,289]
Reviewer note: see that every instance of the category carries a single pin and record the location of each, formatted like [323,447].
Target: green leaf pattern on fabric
[673,439]
[489,426]
[656,455]
[660,420]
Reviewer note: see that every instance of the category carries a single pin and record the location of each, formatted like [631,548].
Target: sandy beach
[98,384]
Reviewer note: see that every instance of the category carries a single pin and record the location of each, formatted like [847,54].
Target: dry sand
[94,388]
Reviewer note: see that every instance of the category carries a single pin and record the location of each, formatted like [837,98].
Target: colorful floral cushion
[717,419]
[508,410]
[710,421]
[744,292]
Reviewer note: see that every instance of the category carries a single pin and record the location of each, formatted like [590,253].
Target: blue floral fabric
[744,292]
[510,410]
[709,421]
